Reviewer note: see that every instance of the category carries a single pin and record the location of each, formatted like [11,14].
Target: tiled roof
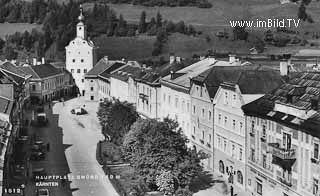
[99,67]
[45,70]
[30,71]
[15,70]
[5,105]
[124,73]
[250,79]
[304,86]
[109,69]
[191,71]
[4,79]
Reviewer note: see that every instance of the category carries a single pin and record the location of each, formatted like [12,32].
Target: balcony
[282,153]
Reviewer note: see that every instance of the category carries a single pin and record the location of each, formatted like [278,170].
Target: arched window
[221,166]
[240,177]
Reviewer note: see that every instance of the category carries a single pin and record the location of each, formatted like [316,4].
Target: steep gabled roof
[250,79]
[45,70]
[5,105]
[305,86]
[29,70]
[13,70]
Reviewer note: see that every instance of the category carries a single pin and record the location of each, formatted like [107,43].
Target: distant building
[81,55]
[242,85]
[283,139]
[48,83]
[97,80]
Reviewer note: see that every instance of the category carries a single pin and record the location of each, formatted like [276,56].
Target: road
[73,140]
[82,134]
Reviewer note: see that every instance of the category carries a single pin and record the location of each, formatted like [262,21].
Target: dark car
[79,111]
[37,156]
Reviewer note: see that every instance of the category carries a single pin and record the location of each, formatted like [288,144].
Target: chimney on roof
[284,67]
[232,58]
[144,66]
[43,60]
[123,60]
[106,58]
[202,58]
[178,59]
[315,103]
[171,75]
[172,58]
[34,61]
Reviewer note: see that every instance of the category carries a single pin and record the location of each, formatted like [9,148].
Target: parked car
[42,192]
[37,156]
[79,111]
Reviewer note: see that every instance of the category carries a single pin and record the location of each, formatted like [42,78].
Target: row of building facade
[259,125]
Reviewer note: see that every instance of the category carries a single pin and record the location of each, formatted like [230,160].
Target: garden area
[145,156]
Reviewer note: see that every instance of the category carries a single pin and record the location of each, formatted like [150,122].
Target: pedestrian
[231,190]
[48,147]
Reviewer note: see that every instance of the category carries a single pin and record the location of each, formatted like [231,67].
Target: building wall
[229,136]
[118,89]
[132,91]
[80,58]
[103,89]
[49,88]
[92,88]
[176,105]
[304,173]
[148,97]
[202,123]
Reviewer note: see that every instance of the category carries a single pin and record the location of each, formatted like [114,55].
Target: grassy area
[133,48]
[11,28]
[126,178]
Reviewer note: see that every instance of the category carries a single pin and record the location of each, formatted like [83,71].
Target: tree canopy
[116,117]
[152,146]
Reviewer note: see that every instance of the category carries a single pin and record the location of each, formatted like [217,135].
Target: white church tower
[81,55]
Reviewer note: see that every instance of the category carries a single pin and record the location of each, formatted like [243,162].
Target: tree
[166,182]
[9,52]
[2,43]
[159,20]
[116,117]
[142,23]
[152,146]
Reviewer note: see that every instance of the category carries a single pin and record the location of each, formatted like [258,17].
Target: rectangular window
[209,115]
[240,154]
[225,121]
[72,70]
[209,140]
[252,154]
[316,151]
[315,186]
[259,188]
[263,130]
[194,109]
[78,70]
[234,124]
[85,71]
[82,80]
[201,91]
[194,131]
[264,161]
[202,113]
[91,88]
[219,119]
[188,107]
[203,135]
[225,146]
[226,98]
[169,99]
[233,150]
[164,98]
[33,87]
[219,142]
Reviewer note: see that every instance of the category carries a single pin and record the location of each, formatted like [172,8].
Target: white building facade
[81,55]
